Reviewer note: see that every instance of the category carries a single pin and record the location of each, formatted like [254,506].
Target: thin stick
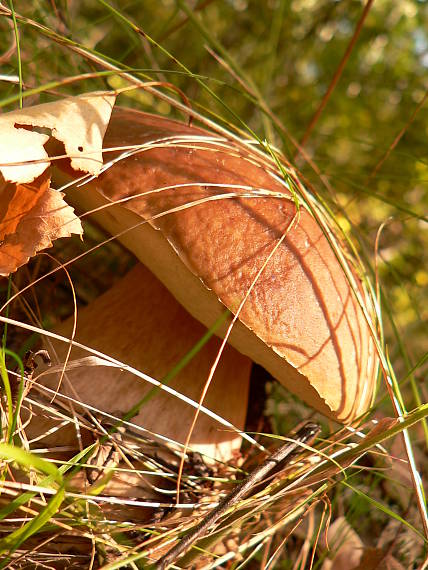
[398,137]
[305,434]
[337,75]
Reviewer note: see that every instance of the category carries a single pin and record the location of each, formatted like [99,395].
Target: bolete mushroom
[139,323]
[204,214]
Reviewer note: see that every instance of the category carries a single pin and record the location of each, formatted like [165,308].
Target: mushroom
[217,225]
[139,323]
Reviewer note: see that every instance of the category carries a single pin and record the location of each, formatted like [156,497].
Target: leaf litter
[32,214]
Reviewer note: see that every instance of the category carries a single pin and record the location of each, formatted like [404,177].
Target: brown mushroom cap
[301,321]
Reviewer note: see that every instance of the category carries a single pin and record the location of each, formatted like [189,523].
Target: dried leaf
[106,457]
[78,122]
[37,227]
[377,559]
[346,547]
[407,545]
[16,201]
[398,482]
[382,425]
[32,215]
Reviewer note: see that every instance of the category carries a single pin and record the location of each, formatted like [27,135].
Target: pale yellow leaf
[21,145]
[78,122]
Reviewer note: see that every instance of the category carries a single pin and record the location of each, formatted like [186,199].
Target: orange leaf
[16,201]
[33,216]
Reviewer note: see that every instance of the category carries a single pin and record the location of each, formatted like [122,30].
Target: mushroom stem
[139,323]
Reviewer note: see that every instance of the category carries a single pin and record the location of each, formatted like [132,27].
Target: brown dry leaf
[398,480]
[377,559]
[78,122]
[398,483]
[346,547]
[16,201]
[32,215]
[382,425]
[45,217]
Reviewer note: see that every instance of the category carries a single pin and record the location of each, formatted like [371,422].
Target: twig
[398,137]
[337,75]
[305,434]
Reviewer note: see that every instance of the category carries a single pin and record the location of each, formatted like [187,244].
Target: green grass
[272,67]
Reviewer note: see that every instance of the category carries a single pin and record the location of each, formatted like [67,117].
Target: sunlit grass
[46,504]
